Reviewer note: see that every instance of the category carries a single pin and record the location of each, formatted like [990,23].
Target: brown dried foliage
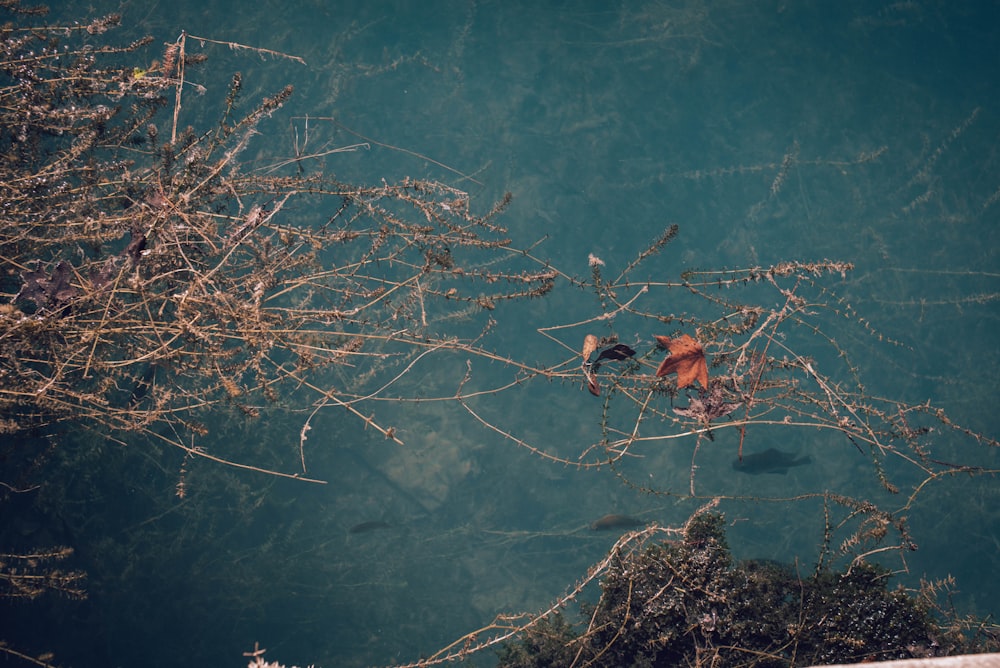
[146,281]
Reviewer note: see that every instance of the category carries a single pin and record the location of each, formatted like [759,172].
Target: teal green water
[607,123]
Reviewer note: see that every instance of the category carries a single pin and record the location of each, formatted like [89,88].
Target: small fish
[771,460]
[365,527]
[614,522]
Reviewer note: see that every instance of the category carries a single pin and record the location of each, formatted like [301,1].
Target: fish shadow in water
[771,460]
[366,527]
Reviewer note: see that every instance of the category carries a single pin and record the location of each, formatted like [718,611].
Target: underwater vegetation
[688,603]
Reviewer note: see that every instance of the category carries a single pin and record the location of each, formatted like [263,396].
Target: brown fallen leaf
[687,359]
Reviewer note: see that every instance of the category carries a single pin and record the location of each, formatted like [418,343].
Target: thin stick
[201,453]
[179,87]
[397,148]
[238,47]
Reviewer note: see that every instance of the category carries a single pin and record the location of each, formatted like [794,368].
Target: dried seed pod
[589,346]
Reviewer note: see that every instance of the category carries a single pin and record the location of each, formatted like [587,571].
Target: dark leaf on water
[48,290]
[135,247]
[36,287]
[616,352]
[102,277]
[62,291]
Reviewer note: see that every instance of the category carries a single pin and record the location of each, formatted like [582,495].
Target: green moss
[547,643]
[687,603]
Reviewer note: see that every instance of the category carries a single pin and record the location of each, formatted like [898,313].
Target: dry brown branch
[200,291]
[243,47]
